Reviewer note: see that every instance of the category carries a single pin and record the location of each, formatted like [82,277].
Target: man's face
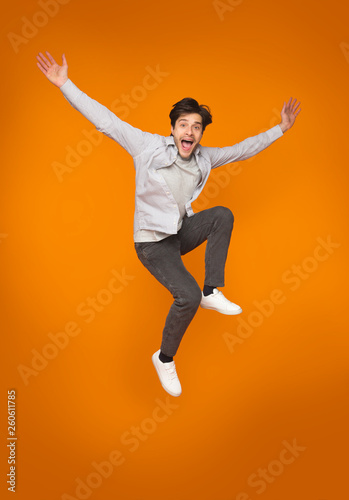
[187,133]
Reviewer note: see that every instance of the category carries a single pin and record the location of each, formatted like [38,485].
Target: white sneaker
[217,302]
[167,375]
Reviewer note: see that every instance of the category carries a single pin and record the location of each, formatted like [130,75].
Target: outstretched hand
[57,75]
[289,113]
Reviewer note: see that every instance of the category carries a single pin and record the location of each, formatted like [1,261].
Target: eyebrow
[185,120]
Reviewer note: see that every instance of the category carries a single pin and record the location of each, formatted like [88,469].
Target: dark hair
[189,105]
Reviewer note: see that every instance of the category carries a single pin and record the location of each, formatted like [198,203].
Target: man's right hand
[57,75]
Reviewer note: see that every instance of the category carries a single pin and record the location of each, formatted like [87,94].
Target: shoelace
[171,370]
[222,298]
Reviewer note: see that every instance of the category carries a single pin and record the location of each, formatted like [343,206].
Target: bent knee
[224,213]
[191,298]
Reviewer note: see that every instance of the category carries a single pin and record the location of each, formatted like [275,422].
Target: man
[170,174]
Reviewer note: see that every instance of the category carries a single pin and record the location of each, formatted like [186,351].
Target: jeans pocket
[144,247]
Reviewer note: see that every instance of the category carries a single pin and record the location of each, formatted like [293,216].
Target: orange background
[60,242]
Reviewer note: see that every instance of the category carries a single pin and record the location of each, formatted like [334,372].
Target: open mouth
[186,144]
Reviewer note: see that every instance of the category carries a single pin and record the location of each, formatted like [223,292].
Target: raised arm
[130,138]
[254,145]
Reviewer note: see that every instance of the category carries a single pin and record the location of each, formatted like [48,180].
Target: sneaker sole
[228,313]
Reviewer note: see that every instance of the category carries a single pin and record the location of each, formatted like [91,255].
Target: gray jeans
[163,260]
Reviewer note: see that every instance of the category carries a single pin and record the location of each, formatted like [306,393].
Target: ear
[171,130]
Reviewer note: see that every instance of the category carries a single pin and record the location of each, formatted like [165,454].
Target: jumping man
[171,172]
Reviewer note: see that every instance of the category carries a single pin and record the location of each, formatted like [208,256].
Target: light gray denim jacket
[155,207]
